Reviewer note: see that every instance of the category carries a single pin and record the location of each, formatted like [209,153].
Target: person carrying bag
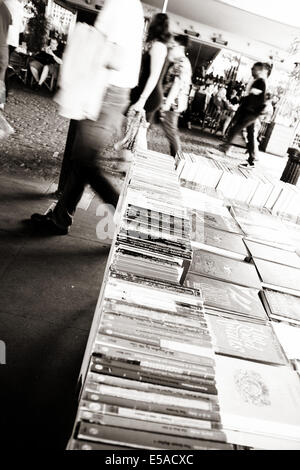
[106,80]
[88,59]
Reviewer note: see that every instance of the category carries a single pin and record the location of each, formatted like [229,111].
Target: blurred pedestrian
[252,105]
[177,84]
[148,95]
[17,27]
[121,23]
[5,21]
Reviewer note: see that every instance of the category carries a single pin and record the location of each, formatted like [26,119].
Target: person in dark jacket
[252,105]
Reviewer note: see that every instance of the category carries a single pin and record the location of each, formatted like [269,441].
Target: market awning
[217,14]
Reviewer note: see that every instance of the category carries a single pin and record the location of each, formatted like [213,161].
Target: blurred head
[159,28]
[261,70]
[177,47]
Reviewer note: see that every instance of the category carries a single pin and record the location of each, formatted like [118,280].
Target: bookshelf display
[179,329]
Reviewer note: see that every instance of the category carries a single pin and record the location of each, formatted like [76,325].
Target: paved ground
[49,285]
[49,289]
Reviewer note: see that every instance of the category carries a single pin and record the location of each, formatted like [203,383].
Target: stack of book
[198,365]
[150,383]
[154,235]
[250,357]
[247,187]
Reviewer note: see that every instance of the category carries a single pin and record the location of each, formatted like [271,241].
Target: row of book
[154,236]
[246,265]
[241,185]
[150,381]
[201,365]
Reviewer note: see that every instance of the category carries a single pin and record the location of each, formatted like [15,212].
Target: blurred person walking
[177,84]
[5,22]
[252,105]
[121,22]
[148,95]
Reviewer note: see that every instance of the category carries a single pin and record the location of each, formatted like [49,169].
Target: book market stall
[195,339]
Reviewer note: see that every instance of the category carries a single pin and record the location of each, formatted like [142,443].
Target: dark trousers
[90,139]
[169,122]
[244,119]
[67,158]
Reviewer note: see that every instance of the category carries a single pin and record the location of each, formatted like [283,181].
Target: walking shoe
[246,165]
[45,223]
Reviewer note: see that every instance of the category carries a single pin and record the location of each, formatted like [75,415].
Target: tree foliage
[37,25]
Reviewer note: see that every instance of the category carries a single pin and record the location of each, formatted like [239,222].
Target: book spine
[152,406]
[197,385]
[156,362]
[150,426]
[152,367]
[105,340]
[88,408]
[94,380]
[145,440]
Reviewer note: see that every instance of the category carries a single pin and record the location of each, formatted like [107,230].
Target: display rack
[212,351]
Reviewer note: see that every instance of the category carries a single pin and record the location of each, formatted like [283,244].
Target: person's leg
[66,162]
[169,122]
[74,187]
[252,144]
[243,120]
[10,52]
[44,74]
[90,140]
[226,124]
[35,68]
[93,137]
[3,69]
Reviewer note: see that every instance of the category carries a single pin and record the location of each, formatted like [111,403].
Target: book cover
[241,300]
[276,255]
[225,269]
[245,340]
[220,242]
[214,220]
[279,277]
[283,305]
[259,398]
[289,338]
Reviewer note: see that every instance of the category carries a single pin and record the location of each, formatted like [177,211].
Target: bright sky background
[285,11]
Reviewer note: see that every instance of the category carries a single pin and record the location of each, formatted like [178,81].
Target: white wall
[253,49]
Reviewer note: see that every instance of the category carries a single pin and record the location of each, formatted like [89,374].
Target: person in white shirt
[122,23]
[17,27]
[177,84]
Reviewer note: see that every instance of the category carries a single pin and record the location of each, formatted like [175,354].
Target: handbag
[136,121]
[88,59]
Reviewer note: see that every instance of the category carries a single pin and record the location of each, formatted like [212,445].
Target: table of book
[195,339]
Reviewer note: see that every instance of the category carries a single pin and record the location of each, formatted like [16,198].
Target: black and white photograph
[150,228]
